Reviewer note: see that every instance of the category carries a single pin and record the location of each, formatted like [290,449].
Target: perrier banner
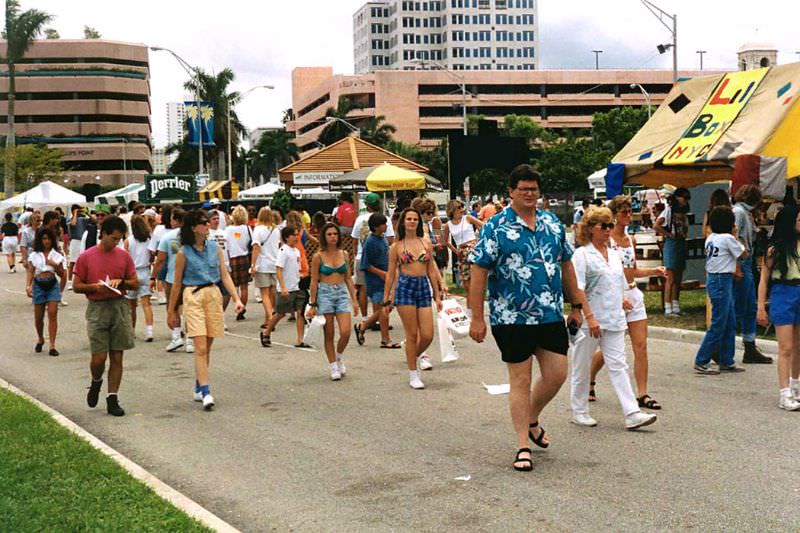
[169,188]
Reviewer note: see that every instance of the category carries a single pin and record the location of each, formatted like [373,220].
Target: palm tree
[377,131]
[20,32]
[273,150]
[335,130]
[288,116]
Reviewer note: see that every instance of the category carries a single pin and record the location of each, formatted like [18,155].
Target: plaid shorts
[413,290]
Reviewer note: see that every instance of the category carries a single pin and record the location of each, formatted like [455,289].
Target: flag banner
[200,123]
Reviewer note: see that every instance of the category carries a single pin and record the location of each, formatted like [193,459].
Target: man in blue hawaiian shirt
[524,254]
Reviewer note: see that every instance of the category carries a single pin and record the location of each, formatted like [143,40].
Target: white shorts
[10,245]
[636,297]
[74,250]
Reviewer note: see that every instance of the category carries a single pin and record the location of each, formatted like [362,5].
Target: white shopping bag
[447,347]
[457,320]
[314,335]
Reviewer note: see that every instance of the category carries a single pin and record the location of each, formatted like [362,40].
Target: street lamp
[349,126]
[228,109]
[701,52]
[597,58]
[646,96]
[194,73]
[660,14]
[461,83]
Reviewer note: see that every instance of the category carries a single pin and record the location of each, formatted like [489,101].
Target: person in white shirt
[27,236]
[359,235]
[155,239]
[137,246]
[217,233]
[599,271]
[722,251]
[290,297]
[266,245]
[460,229]
[46,267]
[238,236]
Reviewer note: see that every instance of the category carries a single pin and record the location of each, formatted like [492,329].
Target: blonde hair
[265,217]
[594,215]
[452,205]
[276,217]
[619,203]
[239,215]
[294,218]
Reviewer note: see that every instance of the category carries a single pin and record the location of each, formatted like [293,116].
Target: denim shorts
[675,254]
[413,290]
[333,299]
[784,304]
[42,296]
[144,284]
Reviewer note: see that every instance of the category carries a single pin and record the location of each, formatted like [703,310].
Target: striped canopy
[133,192]
[221,190]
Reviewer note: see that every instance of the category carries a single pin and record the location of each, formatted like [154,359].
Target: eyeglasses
[100,215]
[605,225]
[528,190]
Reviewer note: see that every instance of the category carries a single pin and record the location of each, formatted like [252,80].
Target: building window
[483,4]
[500,4]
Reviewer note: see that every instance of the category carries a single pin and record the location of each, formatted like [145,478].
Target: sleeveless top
[202,267]
[792,269]
[328,270]
[627,253]
[463,232]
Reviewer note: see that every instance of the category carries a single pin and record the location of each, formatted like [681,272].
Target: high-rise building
[457,34]
[161,161]
[176,119]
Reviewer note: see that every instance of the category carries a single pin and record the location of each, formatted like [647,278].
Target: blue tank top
[202,267]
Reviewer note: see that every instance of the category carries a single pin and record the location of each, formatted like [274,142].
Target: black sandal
[649,403]
[539,441]
[53,352]
[391,345]
[302,345]
[359,334]
[592,393]
[526,468]
[38,347]
[266,342]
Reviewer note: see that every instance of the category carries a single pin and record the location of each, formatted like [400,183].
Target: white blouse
[604,283]
[39,263]
[463,232]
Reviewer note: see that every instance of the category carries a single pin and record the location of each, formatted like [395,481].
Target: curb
[696,337]
[179,500]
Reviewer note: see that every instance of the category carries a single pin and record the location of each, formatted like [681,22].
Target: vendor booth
[221,190]
[383,178]
[44,195]
[135,192]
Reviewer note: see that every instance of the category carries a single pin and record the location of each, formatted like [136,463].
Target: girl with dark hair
[137,245]
[718,197]
[409,280]
[10,233]
[331,284]
[199,266]
[782,269]
[44,264]
[673,225]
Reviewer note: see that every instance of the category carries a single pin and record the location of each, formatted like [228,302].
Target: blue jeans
[722,332]
[745,296]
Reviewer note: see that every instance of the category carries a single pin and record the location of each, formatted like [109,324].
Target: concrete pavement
[287,449]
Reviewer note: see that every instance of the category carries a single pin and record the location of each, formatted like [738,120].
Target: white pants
[612,343]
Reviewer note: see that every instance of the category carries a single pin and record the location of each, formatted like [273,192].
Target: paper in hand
[107,283]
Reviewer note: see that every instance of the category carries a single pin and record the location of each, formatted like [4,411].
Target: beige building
[426,105]
[89,98]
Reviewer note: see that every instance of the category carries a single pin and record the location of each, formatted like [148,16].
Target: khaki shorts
[108,323]
[203,312]
[264,280]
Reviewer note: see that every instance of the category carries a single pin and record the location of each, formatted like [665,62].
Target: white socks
[176,333]
[667,308]
[148,330]
[676,306]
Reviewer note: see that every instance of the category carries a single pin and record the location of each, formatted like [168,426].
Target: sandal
[527,467]
[302,345]
[266,342]
[647,402]
[53,352]
[390,345]
[539,441]
[359,334]
[38,347]
[592,394]
[240,316]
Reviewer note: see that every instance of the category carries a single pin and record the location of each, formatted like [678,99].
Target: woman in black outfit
[10,233]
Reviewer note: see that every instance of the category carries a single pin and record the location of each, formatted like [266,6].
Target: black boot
[752,355]
[94,393]
[113,407]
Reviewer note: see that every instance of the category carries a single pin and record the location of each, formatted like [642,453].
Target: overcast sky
[263,41]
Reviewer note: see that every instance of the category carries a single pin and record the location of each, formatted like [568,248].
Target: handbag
[46,284]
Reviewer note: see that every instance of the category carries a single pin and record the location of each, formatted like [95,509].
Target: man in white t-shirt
[290,298]
[359,235]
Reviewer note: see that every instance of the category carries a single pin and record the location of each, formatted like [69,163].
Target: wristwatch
[576,306]
[315,304]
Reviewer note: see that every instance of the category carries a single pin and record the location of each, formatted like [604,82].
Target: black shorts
[517,342]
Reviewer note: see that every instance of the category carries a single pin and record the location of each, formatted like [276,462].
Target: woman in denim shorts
[331,284]
[412,269]
[44,264]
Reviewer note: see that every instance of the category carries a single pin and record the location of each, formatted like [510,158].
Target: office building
[161,161]
[176,122]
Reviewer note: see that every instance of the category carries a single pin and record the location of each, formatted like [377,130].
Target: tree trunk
[11,138]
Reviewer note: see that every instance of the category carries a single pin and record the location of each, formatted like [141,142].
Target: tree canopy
[34,163]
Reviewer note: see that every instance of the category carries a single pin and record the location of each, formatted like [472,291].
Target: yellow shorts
[203,311]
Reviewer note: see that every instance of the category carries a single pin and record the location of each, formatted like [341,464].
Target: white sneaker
[63,303]
[69,285]
[258,298]
[336,374]
[414,381]
[198,396]
[174,344]
[208,402]
[583,419]
[342,368]
[424,362]
[148,334]
[189,346]
[162,300]
[788,403]
[639,419]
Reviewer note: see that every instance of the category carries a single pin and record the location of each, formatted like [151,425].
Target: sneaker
[706,369]
[208,402]
[112,406]
[162,300]
[94,393]
[189,346]
[14,271]
[639,420]
[796,392]
[731,369]
[342,368]
[174,344]
[69,285]
[258,298]
[414,381]
[198,396]
[424,362]
[336,374]
[668,313]
[676,312]
[583,419]
[63,303]
[788,403]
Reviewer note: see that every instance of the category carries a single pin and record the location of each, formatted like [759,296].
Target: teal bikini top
[328,270]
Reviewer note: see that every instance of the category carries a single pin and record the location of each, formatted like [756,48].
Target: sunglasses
[429,213]
[605,225]
[203,221]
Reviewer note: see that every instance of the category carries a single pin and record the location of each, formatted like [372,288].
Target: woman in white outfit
[137,245]
[460,229]
[600,274]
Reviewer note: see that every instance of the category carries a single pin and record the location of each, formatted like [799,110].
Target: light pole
[660,14]
[701,52]
[461,83]
[194,73]
[597,58]
[646,96]
[349,126]
[124,161]
[228,109]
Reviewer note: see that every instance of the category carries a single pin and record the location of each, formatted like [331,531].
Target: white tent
[260,192]
[46,194]
[134,192]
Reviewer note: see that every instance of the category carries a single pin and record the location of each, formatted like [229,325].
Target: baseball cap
[150,212]
[206,205]
[372,199]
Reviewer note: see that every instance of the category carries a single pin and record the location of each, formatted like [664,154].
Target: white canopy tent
[134,192]
[46,194]
[259,192]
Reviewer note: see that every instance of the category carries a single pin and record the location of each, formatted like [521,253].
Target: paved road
[287,449]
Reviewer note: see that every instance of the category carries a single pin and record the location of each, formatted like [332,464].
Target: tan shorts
[109,326]
[264,280]
[203,311]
